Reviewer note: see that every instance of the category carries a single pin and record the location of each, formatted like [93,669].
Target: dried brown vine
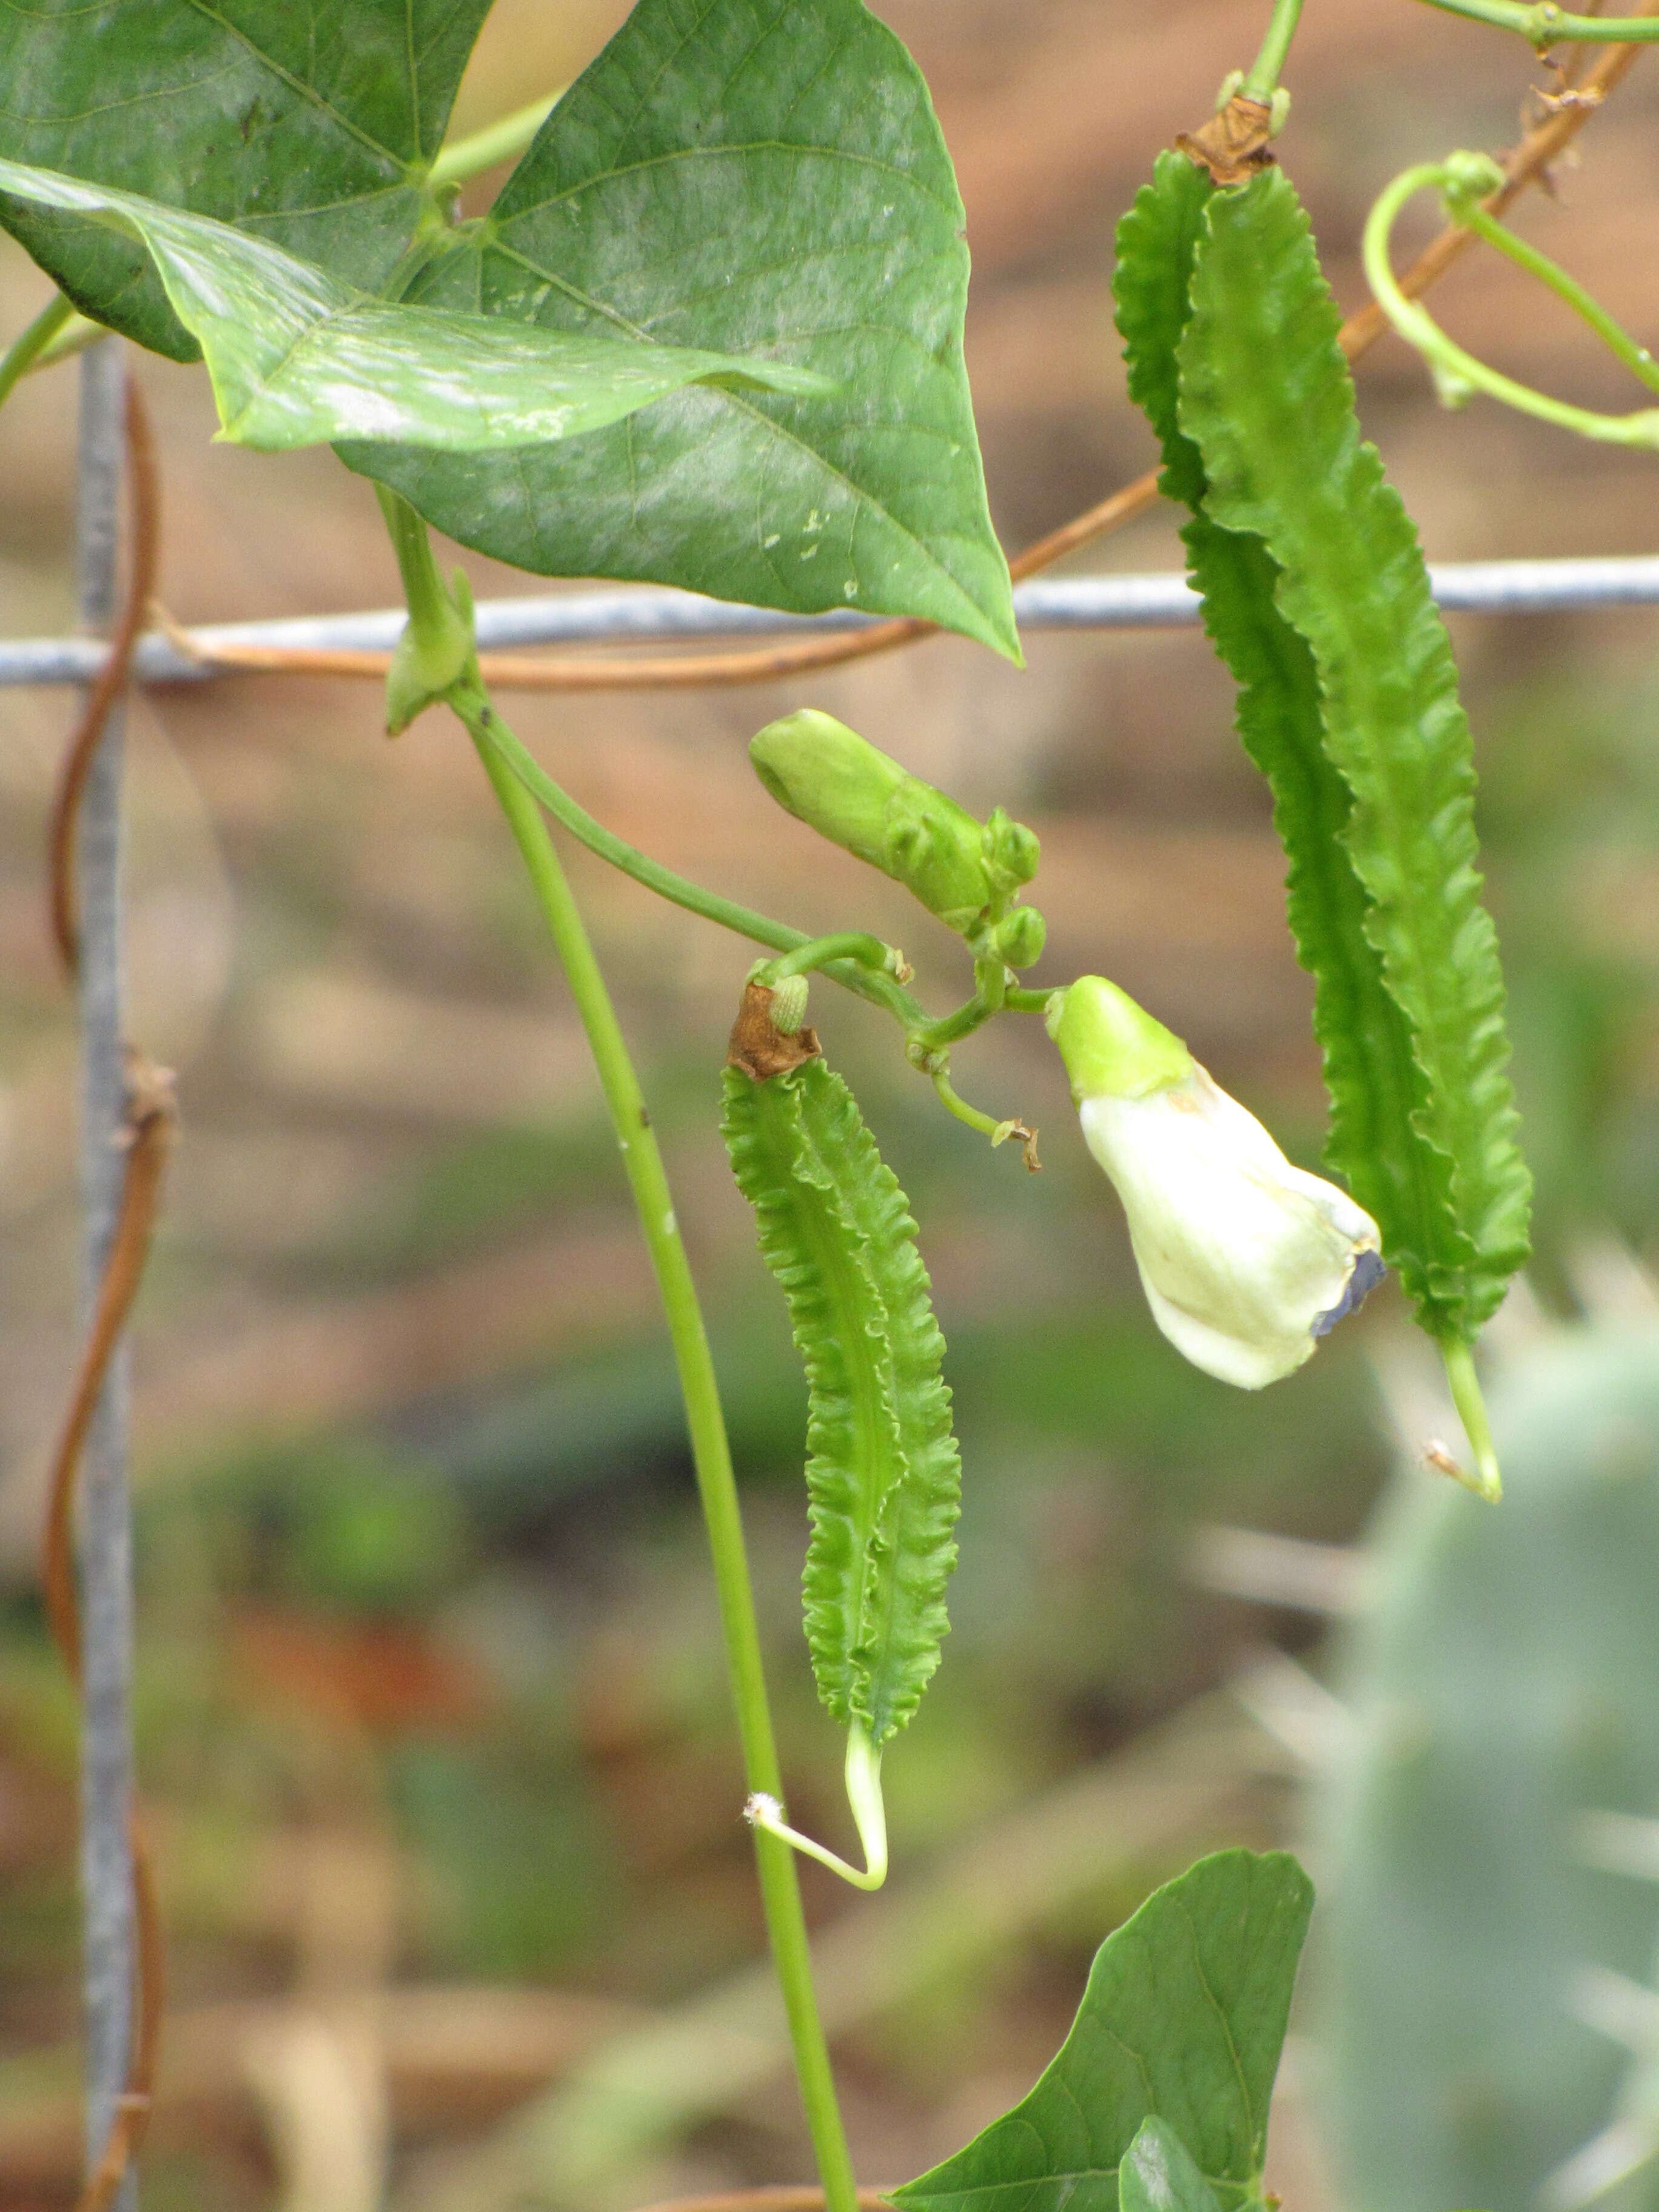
[112,678]
[148,1121]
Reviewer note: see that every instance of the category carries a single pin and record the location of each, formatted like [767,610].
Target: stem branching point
[1545,25]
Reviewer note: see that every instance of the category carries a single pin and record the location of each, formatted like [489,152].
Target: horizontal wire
[1156,601]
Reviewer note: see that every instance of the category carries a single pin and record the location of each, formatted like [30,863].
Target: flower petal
[1245,1259]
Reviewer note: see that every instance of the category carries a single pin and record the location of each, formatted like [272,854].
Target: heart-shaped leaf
[312,126]
[1158,2174]
[1183,2021]
[754,176]
[299,359]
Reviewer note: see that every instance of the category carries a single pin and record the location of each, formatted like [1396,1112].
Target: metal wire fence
[637,616]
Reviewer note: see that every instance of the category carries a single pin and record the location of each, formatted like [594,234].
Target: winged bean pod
[883,1474]
[1376,1086]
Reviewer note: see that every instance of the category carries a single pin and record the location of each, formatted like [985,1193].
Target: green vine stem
[998,1132]
[711,1452]
[27,347]
[881,987]
[1550,25]
[1617,341]
[435,651]
[424,672]
[990,996]
[1464,179]
[79,332]
[859,962]
[855,944]
[498,142]
[1262,82]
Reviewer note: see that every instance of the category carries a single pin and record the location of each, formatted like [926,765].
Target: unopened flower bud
[1019,937]
[1012,851]
[842,787]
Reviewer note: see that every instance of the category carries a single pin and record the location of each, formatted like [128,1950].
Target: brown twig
[133,2106]
[149,1119]
[150,1123]
[112,678]
[1528,164]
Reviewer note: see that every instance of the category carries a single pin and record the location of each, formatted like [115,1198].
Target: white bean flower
[1246,1261]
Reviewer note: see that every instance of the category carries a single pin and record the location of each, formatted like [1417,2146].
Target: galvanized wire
[640,616]
[106,1538]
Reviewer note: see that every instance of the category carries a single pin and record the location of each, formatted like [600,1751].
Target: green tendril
[1465,179]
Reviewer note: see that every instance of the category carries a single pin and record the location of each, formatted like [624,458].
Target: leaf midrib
[861,497]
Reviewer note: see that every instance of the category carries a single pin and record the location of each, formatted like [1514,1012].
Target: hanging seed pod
[883,1475]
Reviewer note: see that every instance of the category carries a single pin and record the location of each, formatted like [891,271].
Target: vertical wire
[106,1536]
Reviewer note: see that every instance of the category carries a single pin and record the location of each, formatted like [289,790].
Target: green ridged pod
[1316,596]
[882,1476]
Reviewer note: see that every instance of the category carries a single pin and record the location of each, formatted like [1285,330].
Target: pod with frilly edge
[1246,1261]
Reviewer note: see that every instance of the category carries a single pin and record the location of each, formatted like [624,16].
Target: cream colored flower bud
[1246,1261]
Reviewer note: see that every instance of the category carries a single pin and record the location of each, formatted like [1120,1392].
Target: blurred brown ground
[329,939]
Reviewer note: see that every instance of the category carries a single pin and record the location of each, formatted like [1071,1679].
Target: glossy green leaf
[1158,2174]
[1376,1089]
[754,176]
[299,359]
[883,1477]
[311,127]
[1183,2020]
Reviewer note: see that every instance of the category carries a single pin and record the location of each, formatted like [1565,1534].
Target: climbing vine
[709,334]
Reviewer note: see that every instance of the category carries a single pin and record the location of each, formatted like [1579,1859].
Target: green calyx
[1112,1048]
[964,871]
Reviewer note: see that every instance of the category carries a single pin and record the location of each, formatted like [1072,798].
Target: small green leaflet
[298,358]
[1157,2175]
[1183,2021]
[883,1475]
[757,176]
[311,127]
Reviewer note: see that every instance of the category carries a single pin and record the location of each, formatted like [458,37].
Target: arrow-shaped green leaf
[299,358]
[759,176]
[1183,2020]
